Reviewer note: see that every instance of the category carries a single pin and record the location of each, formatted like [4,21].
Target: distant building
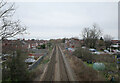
[21,44]
[115,45]
[72,42]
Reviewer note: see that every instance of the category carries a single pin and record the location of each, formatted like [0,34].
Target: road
[58,68]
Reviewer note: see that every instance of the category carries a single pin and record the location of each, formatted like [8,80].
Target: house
[21,44]
[72,42]
[115,41]
[11,45]
[115,45]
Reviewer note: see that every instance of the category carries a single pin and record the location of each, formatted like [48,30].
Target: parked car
[110,53]
[106,51]
[92,50]
[6,55]
[117,51]
[83,47]
[98,53]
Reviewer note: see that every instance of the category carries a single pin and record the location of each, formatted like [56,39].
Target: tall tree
[91,35]
[8,27]
[16,67]
[107,39]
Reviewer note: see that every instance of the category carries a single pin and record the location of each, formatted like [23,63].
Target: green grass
[45,61]
[90,65]
[108,66]
[32,52]
[50,48]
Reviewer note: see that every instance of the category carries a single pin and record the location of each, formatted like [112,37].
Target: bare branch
[91,35]
[7,12]
[9,28]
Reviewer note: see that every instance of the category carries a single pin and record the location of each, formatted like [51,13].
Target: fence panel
[36,63]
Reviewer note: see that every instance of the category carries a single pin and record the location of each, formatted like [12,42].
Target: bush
[83,72]
[43,46]
[15,68]
[84,54]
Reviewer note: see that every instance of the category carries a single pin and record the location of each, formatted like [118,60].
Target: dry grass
[85,55]
[104,58]
[83,72]
[36,73]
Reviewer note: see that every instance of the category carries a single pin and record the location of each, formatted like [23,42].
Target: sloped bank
[82,71]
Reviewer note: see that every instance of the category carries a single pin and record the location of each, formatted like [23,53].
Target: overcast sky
[46,20]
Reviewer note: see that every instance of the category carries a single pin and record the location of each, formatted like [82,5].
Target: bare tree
[86,36]
[8,27]
[107,39]
[91,35]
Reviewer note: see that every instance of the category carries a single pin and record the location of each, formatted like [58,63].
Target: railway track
[57,69]
[49,74]
[63,70]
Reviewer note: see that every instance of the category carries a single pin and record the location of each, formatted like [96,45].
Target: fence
[36,63]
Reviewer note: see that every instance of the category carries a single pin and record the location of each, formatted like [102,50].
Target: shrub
[84,54]
[16,67]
